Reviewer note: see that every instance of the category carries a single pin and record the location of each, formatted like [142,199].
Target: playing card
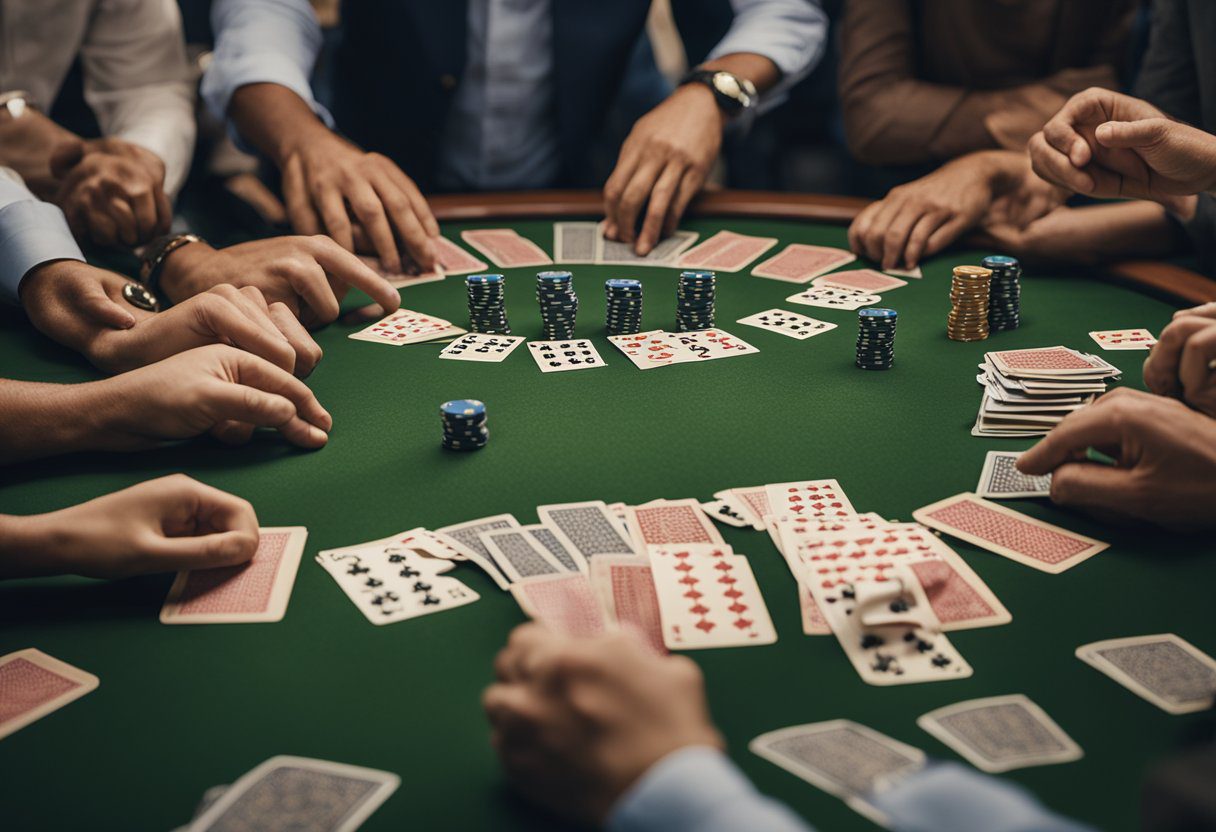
[753,503]
[651,349]
[506,248]
[390,583]
[1048,362]
[913,272]
[301,795]
[1000,480]
[665,252]
[466,539]
[708,344]
[830,297]
[455,260]
[1124,339]
[411,274]
[481,346]
[1006,532]
[33,684]
[796,326]
[406,326]
[843,758]
[1166,670]
[429,543]
[810,498]
[587,530]
[565,603]
[862,280]
[256,591]
[726,251]
[625,588]
[725,512]
[559,356]
[549,541]
[1001,733]
[519,555]
[800,263]
[576,242]
[672,522]
[708,597]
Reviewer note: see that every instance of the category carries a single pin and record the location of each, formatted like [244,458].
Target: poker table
[183,708]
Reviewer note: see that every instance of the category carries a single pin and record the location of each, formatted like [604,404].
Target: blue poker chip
[481,279]
[463,407]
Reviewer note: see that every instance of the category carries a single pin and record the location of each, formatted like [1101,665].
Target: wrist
[1181,207]
[308,133]
[184,272]
[701,98]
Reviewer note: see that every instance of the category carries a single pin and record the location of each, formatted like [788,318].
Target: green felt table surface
[182,708]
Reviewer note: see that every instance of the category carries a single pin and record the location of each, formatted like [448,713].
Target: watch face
[734,88]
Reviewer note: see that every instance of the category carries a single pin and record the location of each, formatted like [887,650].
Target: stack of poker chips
[486,310]
[464,425]
[968,319]
[876,338]
[624,315]
[558,304]
[695,301]
[1005,294]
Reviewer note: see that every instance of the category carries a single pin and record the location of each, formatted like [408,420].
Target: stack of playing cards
[1027,392]
[661,349]
[406,326]
[584,242]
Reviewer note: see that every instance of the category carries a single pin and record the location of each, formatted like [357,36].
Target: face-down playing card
[1000,733]
[1164,669]
[33,684]
[565,603]
[587,530]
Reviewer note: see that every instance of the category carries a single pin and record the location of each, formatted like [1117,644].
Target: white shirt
[136,77]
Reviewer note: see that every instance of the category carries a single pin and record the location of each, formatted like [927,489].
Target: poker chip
[695,300]
[876,338]
[968,318]
[558,304]
[487,312]
[464,424]
[1005,293]
[624,306]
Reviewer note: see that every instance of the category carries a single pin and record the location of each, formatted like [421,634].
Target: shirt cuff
[948,797]
[794,41]
[697,789]
[31,233]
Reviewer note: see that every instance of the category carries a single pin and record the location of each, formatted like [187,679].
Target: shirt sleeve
[790,33]
[262,42]
[948,797]
[31,233]
[698,789]
[138,82]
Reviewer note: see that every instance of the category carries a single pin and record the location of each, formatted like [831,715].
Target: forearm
[756,68]
[778,43]
[161,120]
[274,120]
[1125,229]
[42,420]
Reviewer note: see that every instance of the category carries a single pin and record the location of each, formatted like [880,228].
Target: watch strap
[154,255]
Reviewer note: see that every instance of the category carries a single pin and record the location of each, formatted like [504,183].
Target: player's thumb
[1133,134]
[1094,487]
[66,156]
[206,551]
[101,309]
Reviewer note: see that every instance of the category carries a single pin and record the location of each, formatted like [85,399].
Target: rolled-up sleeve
[790,33]
[31,233]
[698,789]
[262,42]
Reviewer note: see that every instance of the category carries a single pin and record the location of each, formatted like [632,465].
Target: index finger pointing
[1078,431]
[352,271]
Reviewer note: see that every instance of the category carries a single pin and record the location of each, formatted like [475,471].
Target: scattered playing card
[708,597]
[665,252]
[1048,362]
[800,263]
[301,794]
[1001,733]
[33,684]
[576,242]
[519,554]
[1124,339]
[455,260]
[651,349]
[1000,480]
[587,530]
[671,522]
[708,344]
[406,326]
[913,273]
[725,512]
[830,297]
[549,541]
[625,588]
[726,251]
[466,538]
[411,273]
[810,498]
[796,326]
[1166,670]
[481,346]
[390,583]
[559,356]
[1010,534]
[257,591]
[862,280]
[506,248]
[565,603]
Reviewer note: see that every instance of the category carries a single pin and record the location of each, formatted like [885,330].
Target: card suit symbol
[698,609]
[869,641]
[723,566]
[356,569]
[942,661]
[372,583]
[732,593]
[429,600]
[409,572]
[743,624]
[395,558]
[705,625]
[420,586]
[737,608]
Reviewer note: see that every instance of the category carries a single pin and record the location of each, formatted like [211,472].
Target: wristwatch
[733,94]
[152,258]
[15,103]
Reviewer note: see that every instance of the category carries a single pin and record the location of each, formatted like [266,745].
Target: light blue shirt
[697,789]
[32,232]
[501,131]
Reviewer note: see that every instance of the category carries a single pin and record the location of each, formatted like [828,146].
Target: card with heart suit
[791,324]
[390,583]
[33,684]
[588,530]
[830,297]
[1001,733]
[576,242]
[299,793]
[799,263]
[565,603]
[665,252]
[708,597]
[1164,669]
[406,326]
[810,498]
[843,758]
[482,346]
[560,356]
[455,260]
[726,251]
[411,274]
[862,280]
[708,344]
[519,554]
[506,248]
[466,538]
[253,592]
[1004,531]
[1124,339]
[671,523]
[1001,480]
[626,593]
[651,349]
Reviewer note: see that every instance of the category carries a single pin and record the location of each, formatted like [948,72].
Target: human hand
[215,389]
[664,159]
[1180,363]
[1166,461]
[576,721]
[1059,236]
[309,275]
[111,191]
[164,525]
